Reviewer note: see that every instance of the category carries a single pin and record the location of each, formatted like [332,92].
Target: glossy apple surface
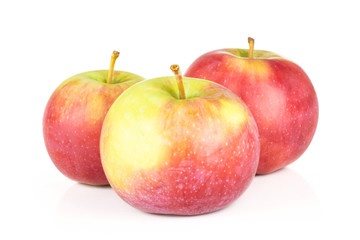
[73,119]
[189,156]
[278,93]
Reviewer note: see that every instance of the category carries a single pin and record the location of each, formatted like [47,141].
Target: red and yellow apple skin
[189,156]
[73,119]
[278,93]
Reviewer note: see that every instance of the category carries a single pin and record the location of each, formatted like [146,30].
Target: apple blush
[278,93]
[182,146]
[73,119]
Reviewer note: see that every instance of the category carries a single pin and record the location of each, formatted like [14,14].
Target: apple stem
[176,70]
[251,42]
[114,56]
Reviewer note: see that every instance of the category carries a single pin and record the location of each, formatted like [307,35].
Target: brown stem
[114,56]
[251,42]
[176,70]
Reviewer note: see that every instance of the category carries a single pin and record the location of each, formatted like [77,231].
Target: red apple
[278,92]
[73,119]
[187,149]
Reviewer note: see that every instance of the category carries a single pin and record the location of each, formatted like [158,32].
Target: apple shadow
[86,202]
[280,194]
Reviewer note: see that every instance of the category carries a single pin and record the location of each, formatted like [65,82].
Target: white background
[43,43]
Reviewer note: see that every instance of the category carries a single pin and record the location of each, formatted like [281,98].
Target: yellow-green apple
[73,119]
[278,93]
[179,146]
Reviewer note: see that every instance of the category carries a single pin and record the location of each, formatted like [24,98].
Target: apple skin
[166,155]
[278,93]
[73,119]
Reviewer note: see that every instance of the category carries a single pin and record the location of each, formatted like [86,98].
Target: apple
[73,119]
[182,146]
[278,93]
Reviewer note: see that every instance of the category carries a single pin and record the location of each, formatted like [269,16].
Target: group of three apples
[185,146]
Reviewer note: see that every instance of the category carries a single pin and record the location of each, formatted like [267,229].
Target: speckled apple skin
[73,119]
[184,157]
[278,93]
